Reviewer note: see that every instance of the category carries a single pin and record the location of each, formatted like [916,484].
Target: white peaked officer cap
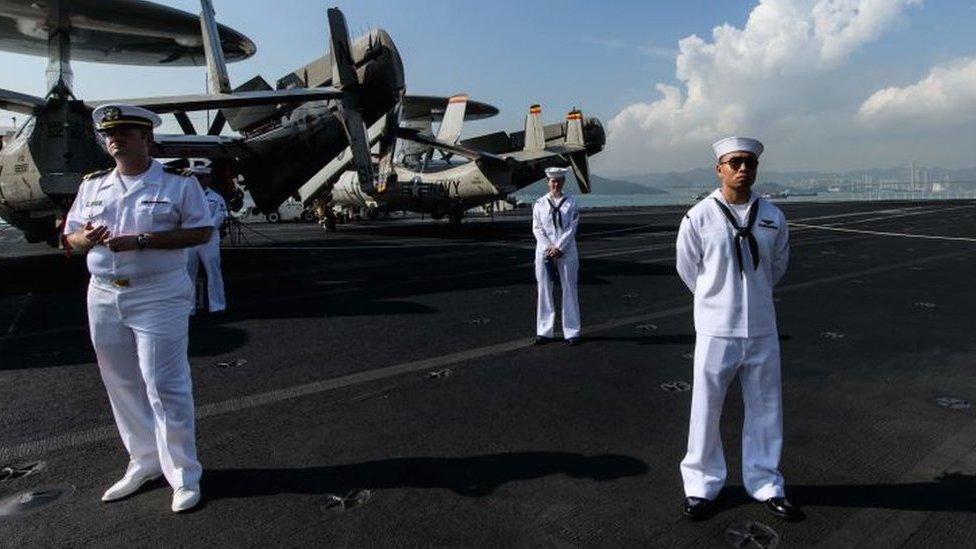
[556,173]
[119,114]
[737,144]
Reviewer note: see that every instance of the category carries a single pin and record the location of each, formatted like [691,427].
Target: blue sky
[609,59]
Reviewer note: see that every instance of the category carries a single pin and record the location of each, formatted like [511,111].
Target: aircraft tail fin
[450,128]
[218,80]
[574,128]
[535,137]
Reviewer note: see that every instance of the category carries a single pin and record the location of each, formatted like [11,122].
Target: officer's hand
[123,243]
[557,253]
[94,235]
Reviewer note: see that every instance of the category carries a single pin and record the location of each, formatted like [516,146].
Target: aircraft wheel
[273,217]
[455,219]
[307,216]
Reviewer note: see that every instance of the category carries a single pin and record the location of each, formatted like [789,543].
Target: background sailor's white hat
[736,144]
[556,173]
[114,115]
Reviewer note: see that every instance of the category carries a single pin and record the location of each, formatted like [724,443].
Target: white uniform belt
[112,281]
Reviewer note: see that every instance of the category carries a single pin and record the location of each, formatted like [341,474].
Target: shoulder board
[184,172]
[99,173]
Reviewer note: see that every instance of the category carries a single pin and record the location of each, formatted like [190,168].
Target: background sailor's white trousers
[209,255]
[568,268]
[140,339]
[717,361]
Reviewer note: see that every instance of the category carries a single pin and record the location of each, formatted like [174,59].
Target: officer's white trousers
[209,255]
[140,338]
[568,268]
[717,360]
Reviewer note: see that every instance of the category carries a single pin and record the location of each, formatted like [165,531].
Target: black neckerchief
[556,213]
[743,232]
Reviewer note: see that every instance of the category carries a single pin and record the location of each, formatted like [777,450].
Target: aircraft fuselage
[43,165]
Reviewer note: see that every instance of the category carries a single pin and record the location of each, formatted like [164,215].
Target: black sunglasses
[736,162]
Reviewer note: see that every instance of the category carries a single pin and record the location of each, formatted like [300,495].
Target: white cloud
[615,44]
[946,96]
[769,78]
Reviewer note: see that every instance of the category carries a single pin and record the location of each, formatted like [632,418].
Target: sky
[827,85]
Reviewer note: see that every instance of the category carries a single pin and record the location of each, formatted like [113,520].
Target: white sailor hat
[556,173]
[119,114]
[736,144]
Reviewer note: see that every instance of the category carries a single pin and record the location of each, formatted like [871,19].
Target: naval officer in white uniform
[732,248]
[209,253]
[136,221]
[555,218]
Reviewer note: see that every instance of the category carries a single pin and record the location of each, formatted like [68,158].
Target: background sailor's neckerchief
[556,213]
[743,232]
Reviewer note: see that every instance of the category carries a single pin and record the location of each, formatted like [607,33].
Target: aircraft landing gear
[454,218]
[329,220]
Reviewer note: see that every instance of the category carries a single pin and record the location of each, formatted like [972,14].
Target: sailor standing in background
[135,221]
[732,248]
[209,253]
[555,218]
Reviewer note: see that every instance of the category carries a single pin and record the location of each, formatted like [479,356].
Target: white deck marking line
[106,432]
[885,233]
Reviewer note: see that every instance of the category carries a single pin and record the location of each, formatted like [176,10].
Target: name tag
[154,202]
[93,203]
[767,224]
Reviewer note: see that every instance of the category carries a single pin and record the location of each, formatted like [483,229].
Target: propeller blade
[350,111]
[581,169]
[185,124]
[217,125]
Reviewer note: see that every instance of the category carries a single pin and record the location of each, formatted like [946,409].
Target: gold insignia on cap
[112,113]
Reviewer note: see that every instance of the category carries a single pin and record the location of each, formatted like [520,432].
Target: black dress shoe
[573,341]
[541,340]
[698,508]
[782,508]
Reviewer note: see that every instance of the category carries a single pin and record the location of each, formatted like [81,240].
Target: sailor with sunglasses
[732,248]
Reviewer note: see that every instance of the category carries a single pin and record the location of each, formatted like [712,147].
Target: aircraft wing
[199,146]
[19,102]
[471,154]
[204,102]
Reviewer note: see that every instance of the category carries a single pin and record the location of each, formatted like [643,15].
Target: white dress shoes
[129,485]
[186,498]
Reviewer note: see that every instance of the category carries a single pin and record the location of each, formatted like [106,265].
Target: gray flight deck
[394,358]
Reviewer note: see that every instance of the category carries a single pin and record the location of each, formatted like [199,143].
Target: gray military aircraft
[287,133]
[493,166]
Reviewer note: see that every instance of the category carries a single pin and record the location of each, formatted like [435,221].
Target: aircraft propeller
[345,79]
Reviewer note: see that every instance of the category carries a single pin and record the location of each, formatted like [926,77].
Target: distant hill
[599,185]
[705,177]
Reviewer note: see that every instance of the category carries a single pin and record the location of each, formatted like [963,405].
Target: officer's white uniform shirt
[155,201]
[546,232]
[729,303]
